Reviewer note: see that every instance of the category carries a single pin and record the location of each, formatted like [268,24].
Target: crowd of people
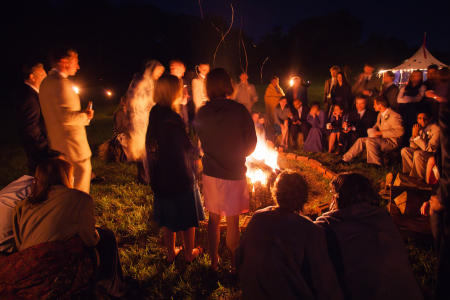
[181,134]
[374,115]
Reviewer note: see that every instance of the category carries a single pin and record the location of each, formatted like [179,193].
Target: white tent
[419,61]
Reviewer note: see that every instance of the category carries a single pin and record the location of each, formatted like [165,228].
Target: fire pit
[263,166]
[262,169]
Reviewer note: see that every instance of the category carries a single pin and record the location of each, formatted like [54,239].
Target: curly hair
[290,191]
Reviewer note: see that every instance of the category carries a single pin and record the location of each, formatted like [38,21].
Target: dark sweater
[370,259]
[227,135]
[170,154]
[283,255]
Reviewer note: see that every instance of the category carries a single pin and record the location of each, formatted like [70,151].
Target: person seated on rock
[358,121]
[282,254]
[383,137]
[365,246]
[57,212]
[423,144]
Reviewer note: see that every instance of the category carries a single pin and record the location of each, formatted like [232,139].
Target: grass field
[126,207]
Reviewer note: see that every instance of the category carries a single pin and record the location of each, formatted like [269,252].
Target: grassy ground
[126,207]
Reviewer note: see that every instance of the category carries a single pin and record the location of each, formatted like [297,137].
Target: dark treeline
[114,40]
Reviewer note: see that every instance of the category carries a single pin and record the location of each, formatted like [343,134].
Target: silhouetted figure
[282,254]
[31,125]
[364,244]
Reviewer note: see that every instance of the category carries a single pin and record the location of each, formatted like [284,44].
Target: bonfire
[262,168]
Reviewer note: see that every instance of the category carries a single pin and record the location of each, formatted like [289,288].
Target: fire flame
[76,89]
[264,154]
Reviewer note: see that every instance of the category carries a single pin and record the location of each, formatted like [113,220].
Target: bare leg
[190,253]
[233,236]
[331,141]
[169,243]
[213,239]
[430,164]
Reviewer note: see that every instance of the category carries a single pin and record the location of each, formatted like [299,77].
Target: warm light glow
[291,82]
[76,89]
[263,154]
[108,93]
[257,175]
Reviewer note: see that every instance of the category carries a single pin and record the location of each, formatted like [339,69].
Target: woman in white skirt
[227,135]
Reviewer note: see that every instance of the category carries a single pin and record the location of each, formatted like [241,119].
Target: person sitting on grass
[314,140]
[10,196]
[359,120]
[383,137]
[282,254]
[365,246]
[57,212]
[335,128]
[170,159]
[299,122]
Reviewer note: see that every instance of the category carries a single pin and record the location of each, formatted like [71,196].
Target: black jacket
[362,124]
[30,121]
[227,135]
[302,118]
[170,154]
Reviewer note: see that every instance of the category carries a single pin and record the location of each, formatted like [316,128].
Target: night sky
[115,37]
[406,20]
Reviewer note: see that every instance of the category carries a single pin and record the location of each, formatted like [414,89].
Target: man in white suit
[64,120]
[383,137]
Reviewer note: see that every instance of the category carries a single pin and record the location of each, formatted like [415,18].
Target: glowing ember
[108,93]
[264,158]
[76,89]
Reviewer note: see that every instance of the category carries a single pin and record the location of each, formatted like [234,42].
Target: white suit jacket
[64,120]
[390,126]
